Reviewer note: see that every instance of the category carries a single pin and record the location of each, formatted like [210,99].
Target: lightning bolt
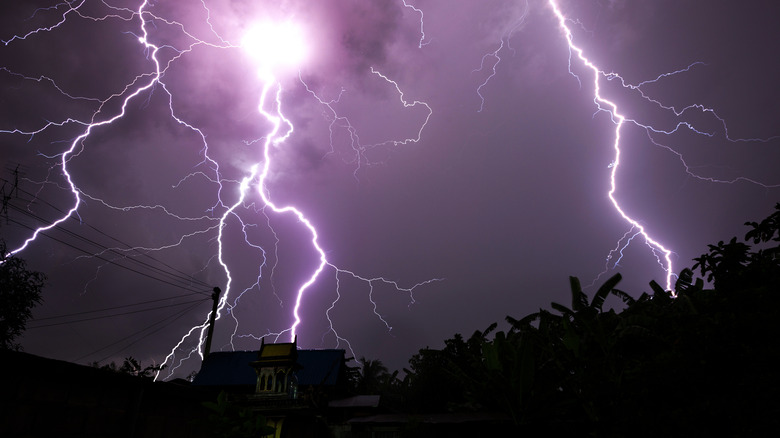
[495,55]
[77,145]
[422,23]
[603,104]
[636,228]
[258,176]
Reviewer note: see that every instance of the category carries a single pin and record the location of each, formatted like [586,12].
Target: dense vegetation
[696,361]
[20,291]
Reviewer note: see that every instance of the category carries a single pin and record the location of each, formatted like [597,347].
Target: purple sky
[503,197]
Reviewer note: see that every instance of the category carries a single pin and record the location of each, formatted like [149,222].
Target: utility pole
[212,319]
[6,198]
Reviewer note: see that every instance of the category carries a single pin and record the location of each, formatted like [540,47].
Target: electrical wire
[182,275]
[183,279]
[110,261]
[110,308]
[115,314]
[173,274]
[169,322]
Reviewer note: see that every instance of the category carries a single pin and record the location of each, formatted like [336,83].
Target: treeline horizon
[692,361]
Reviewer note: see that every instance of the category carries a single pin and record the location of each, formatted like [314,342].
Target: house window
[292,386]
[280,381]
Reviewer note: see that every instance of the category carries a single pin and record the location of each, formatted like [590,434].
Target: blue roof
[223,368]
[229,368]
[320,367]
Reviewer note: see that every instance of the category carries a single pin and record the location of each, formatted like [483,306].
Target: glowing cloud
[276,46]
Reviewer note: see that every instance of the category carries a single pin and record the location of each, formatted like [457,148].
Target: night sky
[488,175]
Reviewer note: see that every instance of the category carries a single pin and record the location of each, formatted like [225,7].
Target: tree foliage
[20,291]
[131,366]
[228,420]
[373,377]
[696,361]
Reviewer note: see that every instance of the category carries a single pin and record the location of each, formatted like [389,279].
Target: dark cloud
[368,28]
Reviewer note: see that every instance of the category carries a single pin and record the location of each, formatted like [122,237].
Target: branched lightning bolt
[152,80]
[338,121]
[495,55]
[258,176]
[662,254]
[78,142]
[422,23]
[604,104]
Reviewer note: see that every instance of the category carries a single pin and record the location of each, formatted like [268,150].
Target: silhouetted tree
[696,361]
[374,377]
[228,420]
[131,366]
[732,266]
[20,291]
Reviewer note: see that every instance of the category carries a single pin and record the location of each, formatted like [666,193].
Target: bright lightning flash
[276,46]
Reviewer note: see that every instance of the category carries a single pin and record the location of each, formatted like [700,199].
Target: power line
[169,322]
[182,276]
[110,261]
[115,314]
[111,308]
[172,273]
[184,279]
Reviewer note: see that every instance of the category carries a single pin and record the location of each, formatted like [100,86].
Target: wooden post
[212,319]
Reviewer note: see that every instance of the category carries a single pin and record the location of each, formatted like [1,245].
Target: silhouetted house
[275,372]
[46,397]
[275,368]
[291,387]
